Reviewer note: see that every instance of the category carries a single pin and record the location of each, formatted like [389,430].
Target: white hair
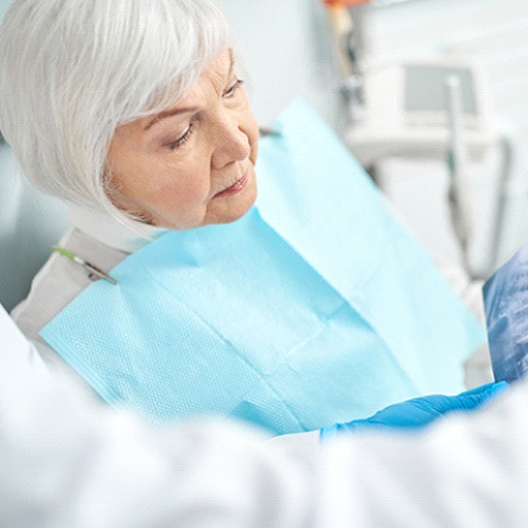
[72,71]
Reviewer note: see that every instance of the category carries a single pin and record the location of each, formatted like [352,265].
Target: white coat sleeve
[66,461]
[463,471]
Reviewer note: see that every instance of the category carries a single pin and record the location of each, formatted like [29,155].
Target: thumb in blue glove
[419,412]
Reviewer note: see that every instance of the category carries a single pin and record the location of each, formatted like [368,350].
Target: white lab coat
[67,461]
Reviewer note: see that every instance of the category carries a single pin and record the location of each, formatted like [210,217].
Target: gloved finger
[423,410]
[408,414]
[419,412]
[493,386]
[476,397]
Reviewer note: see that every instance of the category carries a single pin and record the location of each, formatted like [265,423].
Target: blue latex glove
[418,412]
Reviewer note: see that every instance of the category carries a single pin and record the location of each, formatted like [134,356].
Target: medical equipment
[402,106]
[265,131]
[460,207]
[330,304]
[93,270]
[346,28]
[431,107]
[506,304]
[406,110]
[426,108]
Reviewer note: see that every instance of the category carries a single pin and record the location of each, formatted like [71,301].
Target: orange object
[344,3]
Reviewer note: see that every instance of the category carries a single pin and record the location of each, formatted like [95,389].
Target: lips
[236,187]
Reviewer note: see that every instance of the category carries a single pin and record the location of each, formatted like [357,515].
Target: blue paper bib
[316,307]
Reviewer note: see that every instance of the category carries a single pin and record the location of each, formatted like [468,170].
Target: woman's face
[192,164]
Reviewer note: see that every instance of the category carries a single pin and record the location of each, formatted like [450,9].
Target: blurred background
[289,49]
[430,95]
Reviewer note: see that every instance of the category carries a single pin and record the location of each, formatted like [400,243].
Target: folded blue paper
[506,304]
[314,308]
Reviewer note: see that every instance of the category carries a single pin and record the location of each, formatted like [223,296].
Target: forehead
[217,72]
[220,67]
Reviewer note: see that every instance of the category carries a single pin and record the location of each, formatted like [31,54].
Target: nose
[234,138]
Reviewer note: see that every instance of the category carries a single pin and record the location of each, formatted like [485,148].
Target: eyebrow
[175,111]
[169,113]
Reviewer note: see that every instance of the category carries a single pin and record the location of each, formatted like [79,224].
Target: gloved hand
[418,412]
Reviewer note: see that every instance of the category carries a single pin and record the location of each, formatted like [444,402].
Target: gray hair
[72,71]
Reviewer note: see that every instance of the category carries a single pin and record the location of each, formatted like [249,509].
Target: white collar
[106,229]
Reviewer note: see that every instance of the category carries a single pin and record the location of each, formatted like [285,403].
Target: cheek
[181,188]
[152,178]
[178,196]
[160,188]
[179,206]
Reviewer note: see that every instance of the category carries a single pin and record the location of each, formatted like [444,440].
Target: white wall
[280,42]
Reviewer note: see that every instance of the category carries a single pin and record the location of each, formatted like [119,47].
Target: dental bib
[316,307]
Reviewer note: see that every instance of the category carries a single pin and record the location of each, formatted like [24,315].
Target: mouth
[236,187]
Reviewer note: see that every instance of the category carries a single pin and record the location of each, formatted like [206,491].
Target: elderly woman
[133,112]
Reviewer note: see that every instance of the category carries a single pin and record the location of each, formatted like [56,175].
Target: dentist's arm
[67,461]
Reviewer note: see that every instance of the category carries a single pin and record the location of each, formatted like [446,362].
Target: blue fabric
[506,304]
[316,307]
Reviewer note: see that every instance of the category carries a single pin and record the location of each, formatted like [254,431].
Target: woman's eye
[181,140]
[233,89]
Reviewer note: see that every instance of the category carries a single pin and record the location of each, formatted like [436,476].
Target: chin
[227,219]
[230,216]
